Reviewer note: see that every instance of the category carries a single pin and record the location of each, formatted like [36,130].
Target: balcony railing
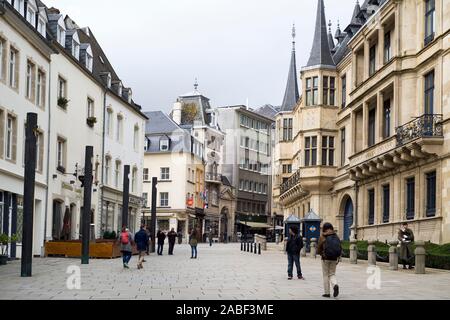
[426,126]
[213,177]
[290,183]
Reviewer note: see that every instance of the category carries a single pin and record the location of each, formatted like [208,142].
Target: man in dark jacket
[329,242]
[293,248]
[161,237]
[172,236]
[141,240]
[406,238]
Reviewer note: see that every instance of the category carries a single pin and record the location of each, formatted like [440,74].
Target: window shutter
[2,133]
[14,141]
[41,152]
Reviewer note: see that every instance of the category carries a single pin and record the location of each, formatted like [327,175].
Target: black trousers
[171,246]
[160,249]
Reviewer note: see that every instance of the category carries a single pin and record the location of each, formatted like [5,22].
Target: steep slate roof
[268,111]
[320,53]
[291,96]
[158,122]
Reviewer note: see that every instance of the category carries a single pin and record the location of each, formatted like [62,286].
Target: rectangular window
[165,173]
[311,151]
[372,124]
[325,91]
[344,91]
[145,197]
[108,122]
[386,203]
[332,90]
[90,108]
[9,137]
[40,89]
[343,147]
[387,47]
[136,138]
[371,201]
[164,199]
[287,129]
[372,59]
[315,100]
[119,129]
[145,176]
[410,198]
[62,88]
[431,194]
[327,151]
[2,57]
[307,151]
[117,174]
[308,91]
[430,13]
[107,169]
[39,151]
[134,181]
[314,151]
[429,93]
[13,69]
[61,154]
[387,119]
[29,80]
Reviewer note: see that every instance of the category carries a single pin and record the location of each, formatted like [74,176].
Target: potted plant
[4,243]
[91,121]
[63,102]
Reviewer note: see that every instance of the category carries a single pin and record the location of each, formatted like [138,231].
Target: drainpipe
[47,192]
[102,158]
[356,210]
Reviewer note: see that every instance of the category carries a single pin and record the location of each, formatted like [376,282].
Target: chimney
[176,115]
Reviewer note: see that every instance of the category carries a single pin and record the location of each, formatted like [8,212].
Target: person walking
[293,248]
[210,237]
[406,238]
[161,237]
[141,240]
[149,235]
[330,249]
[126,243]
[180,237]
[172,236]
[193,242]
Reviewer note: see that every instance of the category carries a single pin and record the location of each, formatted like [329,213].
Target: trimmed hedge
[438,256]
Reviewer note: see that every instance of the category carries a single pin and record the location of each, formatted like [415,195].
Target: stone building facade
[369,138]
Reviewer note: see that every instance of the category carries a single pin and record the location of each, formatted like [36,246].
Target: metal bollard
[259,249]
[251,247]
[420,257]
[393,255]
[313,248]
[372,254]
[246,247]
[303,251]
[353,252]
[256,251]
[242,246]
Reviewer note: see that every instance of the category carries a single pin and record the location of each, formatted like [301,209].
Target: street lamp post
[153,227]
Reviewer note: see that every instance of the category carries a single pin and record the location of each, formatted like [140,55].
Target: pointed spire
[293,37]
[291,95]
[355,23]
[320,53]
[330,37]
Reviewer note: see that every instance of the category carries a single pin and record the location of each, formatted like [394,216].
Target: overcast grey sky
[238,49]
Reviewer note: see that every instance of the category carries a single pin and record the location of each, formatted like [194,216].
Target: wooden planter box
[101,249]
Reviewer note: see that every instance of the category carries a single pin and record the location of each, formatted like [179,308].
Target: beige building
[367,145]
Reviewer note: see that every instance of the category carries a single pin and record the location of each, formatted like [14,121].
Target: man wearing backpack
[293,248]
[331,250]
[126,243]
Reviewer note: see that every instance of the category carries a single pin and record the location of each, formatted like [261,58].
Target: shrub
[438,256]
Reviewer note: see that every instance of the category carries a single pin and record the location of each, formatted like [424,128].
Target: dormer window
[89,61]
[119,89]
[130,95]
[164,144]
[31,18]
[108,80]
[19,6]
[41,27]
[76,49]
[61,36]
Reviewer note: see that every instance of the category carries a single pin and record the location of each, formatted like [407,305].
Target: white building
[52,67]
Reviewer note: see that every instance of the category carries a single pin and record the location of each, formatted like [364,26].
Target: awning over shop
[256,225]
